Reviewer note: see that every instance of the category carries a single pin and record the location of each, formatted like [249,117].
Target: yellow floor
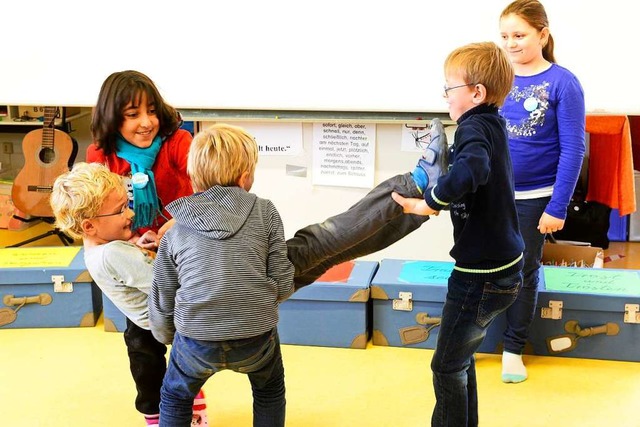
[80,377]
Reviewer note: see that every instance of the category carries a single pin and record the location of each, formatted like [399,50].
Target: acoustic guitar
[48,153]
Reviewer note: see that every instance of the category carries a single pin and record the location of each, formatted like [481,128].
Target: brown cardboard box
[572,256]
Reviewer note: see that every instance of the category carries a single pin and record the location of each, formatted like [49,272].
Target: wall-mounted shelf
[19,119]
[204,115]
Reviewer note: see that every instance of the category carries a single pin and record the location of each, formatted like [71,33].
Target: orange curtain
[611,163]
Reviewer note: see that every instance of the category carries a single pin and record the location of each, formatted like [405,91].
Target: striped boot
[199,418]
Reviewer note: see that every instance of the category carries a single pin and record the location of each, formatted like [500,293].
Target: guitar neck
[48,130]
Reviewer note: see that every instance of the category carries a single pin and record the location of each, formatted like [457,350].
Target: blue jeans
[192,362]
[370,225]
[521,313]
[469,309]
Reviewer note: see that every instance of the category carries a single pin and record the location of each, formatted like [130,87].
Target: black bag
[586,221]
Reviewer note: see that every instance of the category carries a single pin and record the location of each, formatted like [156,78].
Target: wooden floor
[80,377]
[630,252]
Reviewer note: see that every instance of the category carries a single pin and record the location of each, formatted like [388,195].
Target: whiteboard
[328,55]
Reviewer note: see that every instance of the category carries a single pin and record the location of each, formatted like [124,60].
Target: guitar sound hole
[47,155]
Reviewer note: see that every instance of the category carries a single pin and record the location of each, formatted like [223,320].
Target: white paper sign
[275,139]
[412,137]
[344,154]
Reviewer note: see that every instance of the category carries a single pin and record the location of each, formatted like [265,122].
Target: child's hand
[148,240]
[413,206]
[549,224]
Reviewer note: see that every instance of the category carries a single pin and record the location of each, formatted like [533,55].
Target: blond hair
[219,155]
[483,63]
[80,193]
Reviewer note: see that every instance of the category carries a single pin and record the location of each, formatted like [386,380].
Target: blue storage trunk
[47,287]
[588,313]
[408,297]
[333,311]
[114,319]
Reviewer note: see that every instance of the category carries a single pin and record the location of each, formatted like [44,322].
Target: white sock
[513,369]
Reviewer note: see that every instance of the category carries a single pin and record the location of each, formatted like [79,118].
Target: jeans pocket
[259,360]
[497,296]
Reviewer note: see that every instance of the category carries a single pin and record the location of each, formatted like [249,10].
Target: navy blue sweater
[480,191]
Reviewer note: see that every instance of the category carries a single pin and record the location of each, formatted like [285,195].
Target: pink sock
[152,420]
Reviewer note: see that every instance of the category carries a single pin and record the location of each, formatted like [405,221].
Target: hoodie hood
[217,213]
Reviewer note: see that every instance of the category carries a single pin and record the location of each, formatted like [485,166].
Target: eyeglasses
[122,210]
[447,89]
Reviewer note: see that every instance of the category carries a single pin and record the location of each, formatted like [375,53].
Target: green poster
[431,272]
[592,280]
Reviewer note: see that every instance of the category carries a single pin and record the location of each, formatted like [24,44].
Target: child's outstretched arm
[413,205]
[165,227]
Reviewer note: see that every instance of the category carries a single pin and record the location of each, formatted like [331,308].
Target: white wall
[300,203]
[350,55]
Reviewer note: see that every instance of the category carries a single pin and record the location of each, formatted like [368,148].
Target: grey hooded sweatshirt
[221,270]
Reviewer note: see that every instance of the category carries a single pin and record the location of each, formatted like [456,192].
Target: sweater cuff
[433,201]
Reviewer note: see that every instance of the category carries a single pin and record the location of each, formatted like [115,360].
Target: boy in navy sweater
[479,191]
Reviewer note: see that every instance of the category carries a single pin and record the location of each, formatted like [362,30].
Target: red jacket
[170,170]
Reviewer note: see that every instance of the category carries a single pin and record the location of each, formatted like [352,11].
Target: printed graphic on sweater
[459,209]
[535,99]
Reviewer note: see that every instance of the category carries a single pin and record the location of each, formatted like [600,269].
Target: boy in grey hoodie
[219,276]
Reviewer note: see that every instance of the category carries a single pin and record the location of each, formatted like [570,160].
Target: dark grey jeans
[370,225]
